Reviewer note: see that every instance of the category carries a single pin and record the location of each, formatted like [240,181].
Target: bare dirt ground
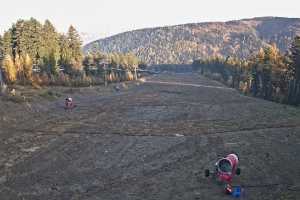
[151,140]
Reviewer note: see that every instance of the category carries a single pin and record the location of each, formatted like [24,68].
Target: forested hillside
[185,43]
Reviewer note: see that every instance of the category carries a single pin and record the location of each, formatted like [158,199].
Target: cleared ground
[151,140]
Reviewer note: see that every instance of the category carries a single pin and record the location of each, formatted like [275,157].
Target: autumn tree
[27,67]
[132,60]
[19,65]
[10,71]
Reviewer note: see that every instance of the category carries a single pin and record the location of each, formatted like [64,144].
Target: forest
[181,44]
[267,74]
[37,54]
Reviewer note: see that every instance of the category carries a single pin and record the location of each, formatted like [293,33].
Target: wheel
[207,173]
[238,171]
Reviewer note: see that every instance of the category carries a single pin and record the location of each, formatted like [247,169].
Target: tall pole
[135,73]
[105,77]
[1,78]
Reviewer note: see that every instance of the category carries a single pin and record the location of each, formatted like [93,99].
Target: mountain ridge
[180,44]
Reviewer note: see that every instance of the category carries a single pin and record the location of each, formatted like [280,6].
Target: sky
[101,18]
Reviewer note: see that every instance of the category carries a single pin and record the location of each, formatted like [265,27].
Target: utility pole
[105,77]
[1,78]
[105,65]
[2,84]
[135,73]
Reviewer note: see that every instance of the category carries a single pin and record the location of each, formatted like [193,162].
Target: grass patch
[16,98]
[50,95]
[72,90]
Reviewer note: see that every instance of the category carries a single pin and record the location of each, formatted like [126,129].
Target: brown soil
[150,140]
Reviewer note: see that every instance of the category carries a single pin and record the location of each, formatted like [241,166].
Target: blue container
[237,190]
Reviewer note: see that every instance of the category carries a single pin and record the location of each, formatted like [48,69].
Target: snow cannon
[226,168]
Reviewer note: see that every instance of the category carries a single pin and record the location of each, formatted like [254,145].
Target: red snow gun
[225,169]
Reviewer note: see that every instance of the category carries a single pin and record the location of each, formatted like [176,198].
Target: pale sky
[101,18]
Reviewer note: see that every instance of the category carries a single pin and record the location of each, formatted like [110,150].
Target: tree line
[268,74]
[29,44]
[32,52]
[116,66]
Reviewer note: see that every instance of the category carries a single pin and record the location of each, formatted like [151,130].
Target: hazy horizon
[98,19]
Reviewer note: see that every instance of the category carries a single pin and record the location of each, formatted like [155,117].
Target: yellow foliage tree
[9,68]
[28,67]
[19,67]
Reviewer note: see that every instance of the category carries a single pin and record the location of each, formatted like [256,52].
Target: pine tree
[35,43]
[74,44]
[1,59]
[20,40]
[295,59]
[51,65]
[88,61]
[65,53]
[50,48]
[1,49]
[267,65]
[7,43]
[26,39]
[14,41]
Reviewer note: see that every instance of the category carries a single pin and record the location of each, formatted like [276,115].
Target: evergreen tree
[295,59]
[50,48]
[26,39]
[20,40]
[88,61]
[74,45]
[14,41]
[255,80]
[35,51]
[65,53]
[7,43]
[51,65]
[1,59]
[1,50]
